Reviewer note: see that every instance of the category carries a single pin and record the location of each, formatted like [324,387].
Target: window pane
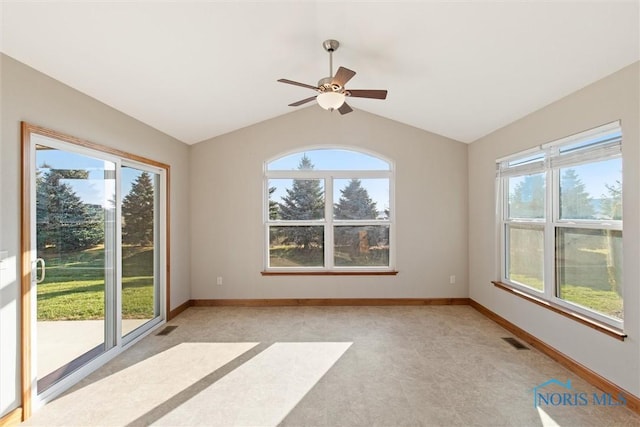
[592,191]
[329,159]
[526,196]
[296,246]
[296,199]
[589,269]
[525,263]
[140,288]
[361,198]
[361,246]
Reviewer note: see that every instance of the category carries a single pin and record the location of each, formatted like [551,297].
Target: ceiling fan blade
[368,93]
[344,109]
[291,82]
[304,101]
[343,75]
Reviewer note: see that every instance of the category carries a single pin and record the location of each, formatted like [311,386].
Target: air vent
[167,330]
[515,343]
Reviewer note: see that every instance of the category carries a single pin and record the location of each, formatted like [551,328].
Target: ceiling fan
[331,91]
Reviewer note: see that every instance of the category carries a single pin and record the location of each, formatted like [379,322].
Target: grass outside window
[74,285]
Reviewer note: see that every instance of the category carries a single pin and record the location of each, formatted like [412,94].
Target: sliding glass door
[140,249]
[95,258]
[75,247]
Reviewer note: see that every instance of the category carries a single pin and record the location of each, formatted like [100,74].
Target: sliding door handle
[43,268]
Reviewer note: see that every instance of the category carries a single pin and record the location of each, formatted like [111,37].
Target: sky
[95,190]
[333,159]
[594,176]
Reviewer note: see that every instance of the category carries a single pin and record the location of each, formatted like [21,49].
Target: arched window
[328,210]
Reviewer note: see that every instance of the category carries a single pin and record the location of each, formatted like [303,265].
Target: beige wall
[615,97]
[31,96]
[226,208]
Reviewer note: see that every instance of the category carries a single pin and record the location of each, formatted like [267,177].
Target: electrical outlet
[452,279]
[219,280]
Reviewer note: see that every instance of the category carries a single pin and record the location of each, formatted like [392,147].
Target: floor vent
[167,330]
[515,343]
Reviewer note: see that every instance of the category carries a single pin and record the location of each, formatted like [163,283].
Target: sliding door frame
[27,327]
[159,232]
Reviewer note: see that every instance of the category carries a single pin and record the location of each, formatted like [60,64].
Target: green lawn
[74,285]
[294,256]
[604,301]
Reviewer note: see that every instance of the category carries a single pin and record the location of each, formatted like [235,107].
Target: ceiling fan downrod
[331,46]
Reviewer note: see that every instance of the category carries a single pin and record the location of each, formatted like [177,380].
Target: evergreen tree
[137,212]
[64,220]
[273,205]
[575,202]
[611,207]
[355,203]
[527,199]
[303,201]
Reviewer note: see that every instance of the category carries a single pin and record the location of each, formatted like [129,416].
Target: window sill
[594,324]
[329,273]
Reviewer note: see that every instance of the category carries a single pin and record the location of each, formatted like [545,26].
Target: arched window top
[330,159]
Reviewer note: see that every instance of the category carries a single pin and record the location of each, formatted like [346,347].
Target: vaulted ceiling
[195,70]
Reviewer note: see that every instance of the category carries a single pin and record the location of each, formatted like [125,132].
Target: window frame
[329,222]
[553,160]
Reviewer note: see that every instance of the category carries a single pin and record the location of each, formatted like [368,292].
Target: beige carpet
[329,366]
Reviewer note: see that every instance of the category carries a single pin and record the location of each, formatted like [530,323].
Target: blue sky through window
[333,160]
[330,159]
[91,190]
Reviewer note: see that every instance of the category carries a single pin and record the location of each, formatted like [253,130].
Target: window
[561,223]
[328,210]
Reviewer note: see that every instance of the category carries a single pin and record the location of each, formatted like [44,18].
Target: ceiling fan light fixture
[331,100]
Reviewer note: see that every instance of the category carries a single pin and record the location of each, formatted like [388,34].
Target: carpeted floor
[331,366]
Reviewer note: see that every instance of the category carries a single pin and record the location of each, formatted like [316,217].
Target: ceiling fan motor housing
[325,85]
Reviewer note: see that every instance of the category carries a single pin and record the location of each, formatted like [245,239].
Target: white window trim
[328,222]
[550,166]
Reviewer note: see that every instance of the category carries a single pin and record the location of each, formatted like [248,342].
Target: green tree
[137,212]
[274,210]
[64,220]
[355,203]
[527,198]
[611,207]
[303,201]
[575,202]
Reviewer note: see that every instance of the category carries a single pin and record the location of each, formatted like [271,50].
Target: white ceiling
[195,70]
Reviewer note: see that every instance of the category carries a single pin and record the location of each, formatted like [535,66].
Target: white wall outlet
[219,280]
[452,279]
